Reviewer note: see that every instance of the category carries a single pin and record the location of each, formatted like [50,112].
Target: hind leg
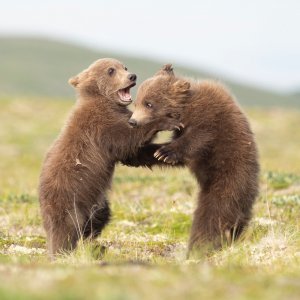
[98,218]
[204,229]
[218,220]
[63,230]
[61,237]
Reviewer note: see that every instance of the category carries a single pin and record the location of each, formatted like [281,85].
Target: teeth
[124,94]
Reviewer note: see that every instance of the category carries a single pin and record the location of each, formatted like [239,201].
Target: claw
[181,125]
[178,128]
[156,154]
[160,157]
[165,160]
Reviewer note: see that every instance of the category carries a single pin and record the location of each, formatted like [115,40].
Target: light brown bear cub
[216,144]
[78,169]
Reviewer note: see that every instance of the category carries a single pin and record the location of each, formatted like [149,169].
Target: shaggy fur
[78,169]
[217,145]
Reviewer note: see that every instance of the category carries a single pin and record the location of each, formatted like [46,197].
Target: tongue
[124,95]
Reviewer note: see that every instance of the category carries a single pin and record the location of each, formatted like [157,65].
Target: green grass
[38,67]
[141,254]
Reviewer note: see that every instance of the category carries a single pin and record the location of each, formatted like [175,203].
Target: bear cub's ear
[74,81]
[166,70]
[181,86]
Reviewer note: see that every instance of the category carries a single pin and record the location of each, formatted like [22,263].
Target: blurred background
[251,46]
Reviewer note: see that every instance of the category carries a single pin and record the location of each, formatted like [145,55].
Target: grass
[141,254]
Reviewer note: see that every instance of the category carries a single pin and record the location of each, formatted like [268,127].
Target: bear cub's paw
[167,154]
[170,125]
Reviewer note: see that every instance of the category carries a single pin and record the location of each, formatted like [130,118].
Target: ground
[142,251]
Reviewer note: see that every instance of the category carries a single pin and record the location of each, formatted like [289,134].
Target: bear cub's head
[159,97]
[106,77]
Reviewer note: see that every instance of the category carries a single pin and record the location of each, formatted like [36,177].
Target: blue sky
[250,41]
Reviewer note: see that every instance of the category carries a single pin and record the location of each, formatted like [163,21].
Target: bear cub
[216,144]
[78,168]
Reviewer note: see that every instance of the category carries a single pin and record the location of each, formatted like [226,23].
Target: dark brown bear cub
[78,169]
[216,144]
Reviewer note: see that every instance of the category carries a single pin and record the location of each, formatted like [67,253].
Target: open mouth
[125,95]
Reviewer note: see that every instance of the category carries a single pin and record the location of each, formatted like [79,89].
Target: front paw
[167,155]
[130,162]
[172,125]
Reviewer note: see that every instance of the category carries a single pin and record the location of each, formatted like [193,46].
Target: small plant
[18,198]
[280,180]
[293,200]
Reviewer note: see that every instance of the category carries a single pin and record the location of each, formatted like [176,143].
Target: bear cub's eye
[148,105]
[111,71]
[125,69]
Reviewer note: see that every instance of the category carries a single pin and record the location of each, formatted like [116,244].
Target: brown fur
[216,144]
[78,169]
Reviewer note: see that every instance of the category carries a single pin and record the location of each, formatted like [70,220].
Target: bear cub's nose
[132,122]
[132,77]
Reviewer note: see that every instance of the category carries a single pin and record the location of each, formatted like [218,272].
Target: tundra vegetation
[141,253]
